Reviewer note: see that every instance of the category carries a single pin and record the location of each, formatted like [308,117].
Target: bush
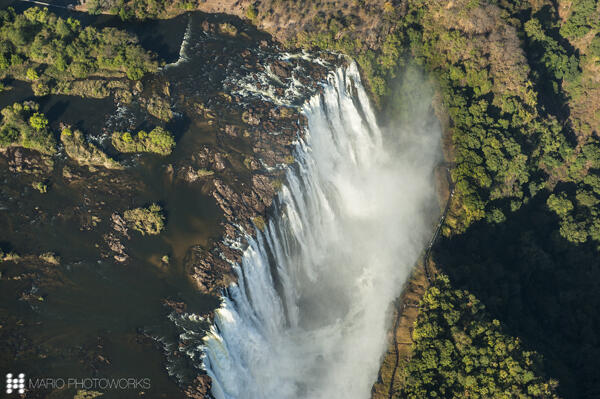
[146,220]
[66,50]
[40,186]
[158,141]
[23,126]
[251,12]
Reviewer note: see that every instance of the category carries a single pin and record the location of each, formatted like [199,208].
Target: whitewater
[309,314]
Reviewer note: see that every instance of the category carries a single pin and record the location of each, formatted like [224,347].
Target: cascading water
[309,313]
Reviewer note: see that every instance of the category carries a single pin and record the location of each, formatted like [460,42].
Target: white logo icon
[16,384]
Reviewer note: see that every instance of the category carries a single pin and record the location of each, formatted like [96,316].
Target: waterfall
[309,314]
[183,49]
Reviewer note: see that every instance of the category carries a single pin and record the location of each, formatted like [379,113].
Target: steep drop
[308,316]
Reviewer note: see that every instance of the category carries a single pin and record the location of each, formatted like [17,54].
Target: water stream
[309,314]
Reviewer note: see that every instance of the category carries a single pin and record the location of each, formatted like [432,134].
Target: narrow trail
[426,257]
[436,234]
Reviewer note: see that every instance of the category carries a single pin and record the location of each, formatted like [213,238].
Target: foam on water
[309,313]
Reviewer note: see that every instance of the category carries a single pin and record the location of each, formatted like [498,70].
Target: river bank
[105,300]
[238,161]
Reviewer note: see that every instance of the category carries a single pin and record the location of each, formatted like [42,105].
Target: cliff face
[231,102]
[251,105]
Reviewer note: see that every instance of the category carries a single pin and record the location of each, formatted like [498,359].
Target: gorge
[243,199]
[308,315]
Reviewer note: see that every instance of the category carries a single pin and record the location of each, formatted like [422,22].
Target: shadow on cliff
[543,288]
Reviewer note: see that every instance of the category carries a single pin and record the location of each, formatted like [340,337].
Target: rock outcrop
[253,108]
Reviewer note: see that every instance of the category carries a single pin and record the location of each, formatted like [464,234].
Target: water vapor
[309,315]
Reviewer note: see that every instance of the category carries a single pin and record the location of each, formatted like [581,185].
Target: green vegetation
[40,186]
[539,284]
[228,29]
[50,257]
[518,84]
[158,141]
[251,12]
[141,9]
[146,220]
[46,49]
[85,153]
[204,172]
[582,19]
[579,211]
[460,352]
[512,133]
[9,257]
[259,222]
[377,66]
[160,108]
[23,126]
[83,394]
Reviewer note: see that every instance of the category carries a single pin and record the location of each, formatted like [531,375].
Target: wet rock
[113,239]
[177,307]
[199,388]
[254,107]
[119,224]
[208,27]
[219,161]
[115,245]
[169,173]
[250,118]
[92,355]
[251,163]
[21,160]
[85,153]
[263,187]
[231,130]
[209,270]
[281,69]
[189,174]
[226,198]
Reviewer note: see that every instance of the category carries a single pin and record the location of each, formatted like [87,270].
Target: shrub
[22,125]
[146,220]
[40,186]
[251,12]
[158,141]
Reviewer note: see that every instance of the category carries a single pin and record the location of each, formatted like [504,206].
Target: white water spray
[309,314]
[183,49]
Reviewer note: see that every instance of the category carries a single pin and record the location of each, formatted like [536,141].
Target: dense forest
[51,52]
[459,352]
[520,97]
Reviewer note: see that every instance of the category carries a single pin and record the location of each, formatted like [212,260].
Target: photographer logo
[15,383]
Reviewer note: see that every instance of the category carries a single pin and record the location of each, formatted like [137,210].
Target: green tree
[32,74]
[38,121]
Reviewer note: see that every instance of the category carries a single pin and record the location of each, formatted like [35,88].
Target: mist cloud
[354,216]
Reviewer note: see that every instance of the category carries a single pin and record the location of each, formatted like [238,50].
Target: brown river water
[88,323]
